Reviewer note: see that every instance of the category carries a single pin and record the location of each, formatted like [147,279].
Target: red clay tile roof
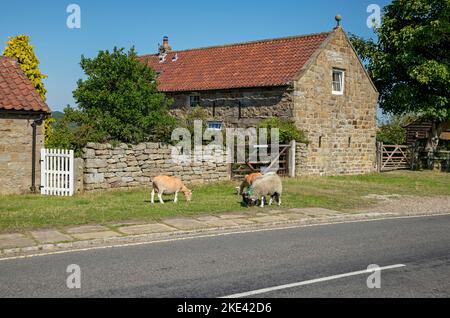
[273,62]
[16,90]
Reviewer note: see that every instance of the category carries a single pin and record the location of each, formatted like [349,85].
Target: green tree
[393,132]
[20,48]
[74,130]
[409,62]
[120,99]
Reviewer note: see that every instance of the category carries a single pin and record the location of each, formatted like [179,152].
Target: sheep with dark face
[266,185]
[248,181]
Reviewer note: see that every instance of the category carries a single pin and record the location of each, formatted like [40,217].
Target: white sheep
[169,185]
[269,184]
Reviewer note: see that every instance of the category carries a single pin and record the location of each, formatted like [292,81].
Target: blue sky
[195,23]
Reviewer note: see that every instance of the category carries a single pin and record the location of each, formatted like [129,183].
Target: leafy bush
[118,101]
[288,130]
[20,48]
[393,132]
[74,130]
[121,94]
[48,129]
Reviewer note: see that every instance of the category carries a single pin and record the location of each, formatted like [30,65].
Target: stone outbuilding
[22,111]
[316,81]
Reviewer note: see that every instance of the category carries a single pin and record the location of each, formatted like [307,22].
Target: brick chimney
[165,47]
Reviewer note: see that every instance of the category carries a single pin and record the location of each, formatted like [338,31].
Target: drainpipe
[36,122]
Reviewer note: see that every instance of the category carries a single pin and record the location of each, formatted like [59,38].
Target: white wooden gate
[57,172]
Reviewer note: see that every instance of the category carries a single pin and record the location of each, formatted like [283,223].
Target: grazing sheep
[169,185]
[269,184]
[248,181]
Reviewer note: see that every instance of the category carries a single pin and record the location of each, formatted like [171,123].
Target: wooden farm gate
[393,157]
[57,172]
[285,158]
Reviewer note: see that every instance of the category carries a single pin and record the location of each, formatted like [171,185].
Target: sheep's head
[188,194]
[249,200]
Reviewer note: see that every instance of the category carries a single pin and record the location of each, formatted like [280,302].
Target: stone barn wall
[301,159]
[255,104]
[341,129]
[15,153]
[128,166]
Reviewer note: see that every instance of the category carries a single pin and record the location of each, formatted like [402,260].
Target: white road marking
[310,282]
[230,232]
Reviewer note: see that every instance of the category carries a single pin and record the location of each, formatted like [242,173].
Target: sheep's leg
[262,202]
[271,200]
[176,197]
[153,196]
[160,197]
[279,199]
[242,187]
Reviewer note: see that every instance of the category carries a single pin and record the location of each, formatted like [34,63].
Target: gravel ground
[409,204]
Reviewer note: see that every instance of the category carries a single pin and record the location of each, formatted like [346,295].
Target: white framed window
[215,125]
[194,100]
[338,82]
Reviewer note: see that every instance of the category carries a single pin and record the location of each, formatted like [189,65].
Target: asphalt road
[226,265]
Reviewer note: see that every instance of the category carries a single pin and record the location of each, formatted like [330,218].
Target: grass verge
[20,213]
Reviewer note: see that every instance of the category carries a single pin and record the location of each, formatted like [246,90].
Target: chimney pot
[165,47]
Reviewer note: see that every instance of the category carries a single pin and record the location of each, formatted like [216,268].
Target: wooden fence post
[414,156]
[379,155]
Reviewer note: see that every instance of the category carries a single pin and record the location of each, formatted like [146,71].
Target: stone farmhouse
[21,132]
[316,81]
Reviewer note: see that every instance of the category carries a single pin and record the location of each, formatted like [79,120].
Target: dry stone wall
[127,166]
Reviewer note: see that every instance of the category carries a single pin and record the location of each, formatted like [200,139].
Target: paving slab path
[129,231]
